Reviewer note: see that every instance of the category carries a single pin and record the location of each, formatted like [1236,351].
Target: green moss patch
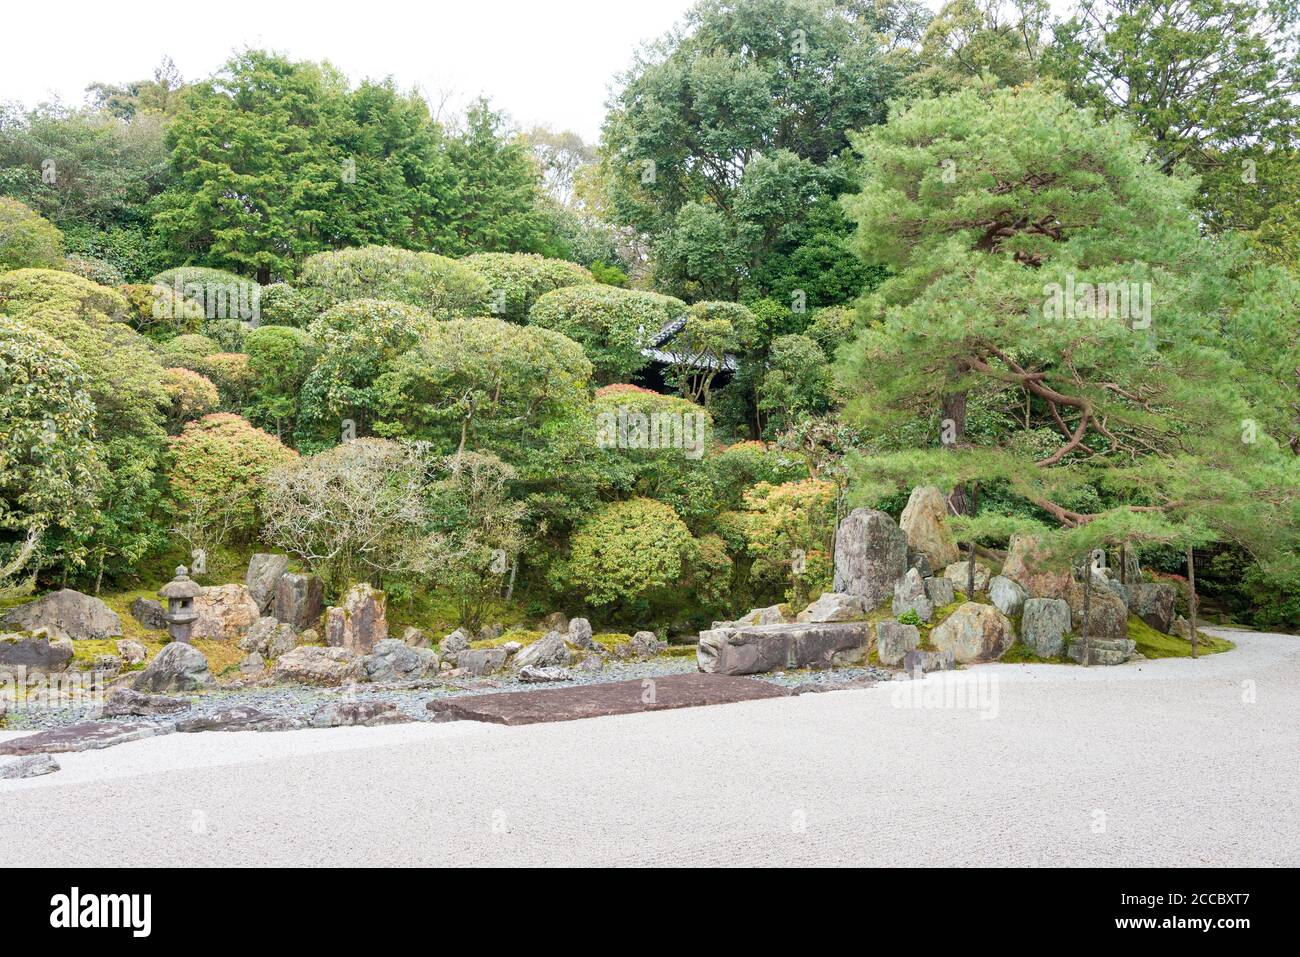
[1156,644]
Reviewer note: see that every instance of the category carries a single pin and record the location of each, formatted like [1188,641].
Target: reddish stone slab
[597,700]
[86,736]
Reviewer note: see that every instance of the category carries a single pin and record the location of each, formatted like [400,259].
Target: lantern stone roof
[182,586]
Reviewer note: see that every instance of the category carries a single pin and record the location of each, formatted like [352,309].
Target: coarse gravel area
[1152,763]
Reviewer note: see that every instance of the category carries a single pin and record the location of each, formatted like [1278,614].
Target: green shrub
[286,305]
[24,292]
[628,558]
[96,270]
[156,312]
[442,287]
[220,294]
[27,239]
[227,333]
[187,350]
[279,358]
[192,395]
[518,280]
[612,325]
[230,373]
[218,463]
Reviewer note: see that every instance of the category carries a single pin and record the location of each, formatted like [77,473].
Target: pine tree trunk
[1191,595]
[1087,605]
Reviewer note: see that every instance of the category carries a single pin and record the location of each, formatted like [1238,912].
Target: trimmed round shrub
[612,325]
[96,270]
[227,333]
[286,305]
[442,287]
[279,358]
[188,350]
[230,373]
[790,534]
[358,342]
[832,327]
[218,463]
[156,312]
[501,385]
[193,394]
[518,280]
[25,292]
[27,239]
[629,556]
[219,294]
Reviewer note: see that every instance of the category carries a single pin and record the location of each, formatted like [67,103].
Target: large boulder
[34,653]
[894,641]
[269,638]
[870,556]
[959,576]
[1107,613]
[924,523]
[150,613]
[910,595]
[1027,566]
[974,632]
[580,634]
[1007,596]
[309,664]
[393,660]
[226,612]
[263,573]
[831,606]
[1044,624]
[360,622]
[299,600]
[178,667]
[482,661]
[549,651]
[940,591]
[645,644]
[67,614]
[452,645]
[1153,602]
[754,649]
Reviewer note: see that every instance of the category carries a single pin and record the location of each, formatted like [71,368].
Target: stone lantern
[180,593]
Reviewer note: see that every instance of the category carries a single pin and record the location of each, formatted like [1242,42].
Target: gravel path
[1173,762]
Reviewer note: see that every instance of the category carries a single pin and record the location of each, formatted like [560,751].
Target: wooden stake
[1191,595]
[1087,604]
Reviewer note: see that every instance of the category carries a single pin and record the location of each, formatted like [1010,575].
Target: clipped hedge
[612,325]
[441,286]
[518,280]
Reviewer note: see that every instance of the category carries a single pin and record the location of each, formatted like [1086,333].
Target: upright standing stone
[974,632]
[263,572]
[924,523]
[1044,624]
[870,556]
[299,600]
[1007,595]
[360,622]
[894,641]
[910,595]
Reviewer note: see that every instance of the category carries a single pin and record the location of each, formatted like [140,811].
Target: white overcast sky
[541,61]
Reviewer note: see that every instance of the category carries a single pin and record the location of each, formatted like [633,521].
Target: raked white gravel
[1172,762]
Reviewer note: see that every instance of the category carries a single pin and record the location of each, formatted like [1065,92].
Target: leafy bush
[27,239]
[518,280]
[487,384]
[286,305]
[790,535]
[26,291]
[231,374]
[227,333]
[279,358]
[612,325]
[358,341]
[628,558]
[48,474]
[192,395]
[155,311]
[218,463]
[188,350]
[442,287]
[220,294]
[96,270]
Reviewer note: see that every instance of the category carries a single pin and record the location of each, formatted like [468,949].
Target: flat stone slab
[31,766]
[86,736]
[598,700]
[755,649]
